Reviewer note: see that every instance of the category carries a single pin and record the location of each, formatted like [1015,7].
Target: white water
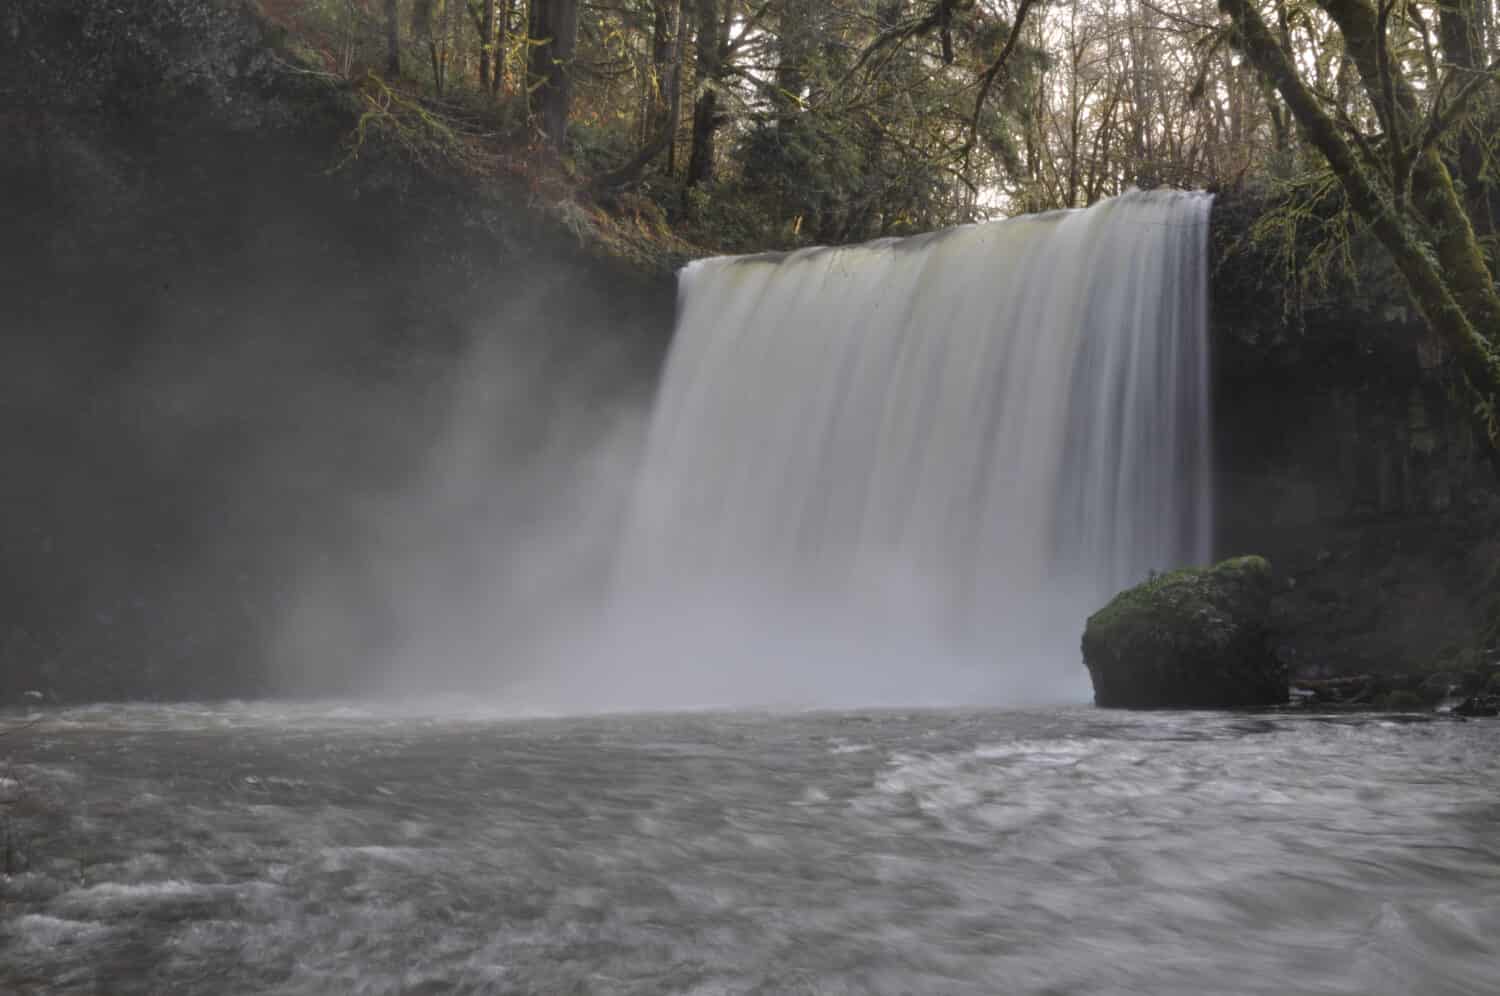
[296,851]
[909,470]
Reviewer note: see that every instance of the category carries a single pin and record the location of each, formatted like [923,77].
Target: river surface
[330,850]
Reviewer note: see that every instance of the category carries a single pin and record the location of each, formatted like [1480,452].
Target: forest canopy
[744,125]
[834,120]
[793,122]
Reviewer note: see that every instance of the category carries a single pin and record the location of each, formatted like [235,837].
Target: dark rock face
[1194,639]
[1341,457]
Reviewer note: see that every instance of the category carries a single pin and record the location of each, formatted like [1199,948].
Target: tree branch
[1435,299]
[996,68]
[1440,122]
[892,36]
[751,24]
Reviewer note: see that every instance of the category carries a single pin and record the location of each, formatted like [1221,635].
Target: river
[330,849]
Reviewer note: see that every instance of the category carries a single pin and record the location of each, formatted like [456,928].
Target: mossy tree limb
[1415,152]
[1445,271]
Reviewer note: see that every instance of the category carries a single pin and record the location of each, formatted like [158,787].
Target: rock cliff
[1342,458]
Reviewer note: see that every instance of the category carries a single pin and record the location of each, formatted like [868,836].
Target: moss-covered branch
[1448,301]
[1431,186]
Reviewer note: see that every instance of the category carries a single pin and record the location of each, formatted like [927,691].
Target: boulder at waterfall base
[1190,639]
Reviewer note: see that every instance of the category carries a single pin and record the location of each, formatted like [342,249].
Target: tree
[665,101]
[485,24]
[1462,27]
[552,37]
[712,65]
[392,39]
[847,119]
[432,23]
[668,26]
[1394,174]
[501,46]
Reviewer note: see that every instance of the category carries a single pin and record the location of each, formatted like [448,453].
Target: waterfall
[917,465]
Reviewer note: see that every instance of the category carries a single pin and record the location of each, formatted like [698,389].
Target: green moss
[1177,589]
[1249,565]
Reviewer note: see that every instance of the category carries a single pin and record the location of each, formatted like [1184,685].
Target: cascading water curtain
[958,444]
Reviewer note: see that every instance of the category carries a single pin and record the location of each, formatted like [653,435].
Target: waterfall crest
[930,458]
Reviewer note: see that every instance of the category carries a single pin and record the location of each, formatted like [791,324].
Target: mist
[771,541]
[307,438]
[493,573]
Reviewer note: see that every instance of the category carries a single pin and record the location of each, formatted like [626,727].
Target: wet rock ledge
[1467,693]
[1208,638]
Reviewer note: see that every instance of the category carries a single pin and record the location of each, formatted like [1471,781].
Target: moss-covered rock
[1194,638]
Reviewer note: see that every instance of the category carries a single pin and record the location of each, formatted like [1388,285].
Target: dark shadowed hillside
[220,350]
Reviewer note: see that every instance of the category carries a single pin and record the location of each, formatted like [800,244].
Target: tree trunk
[665,57]
[553,41]
[437,66]
[706,117]
[679,70]
[486,46]
[392,40]
[1460,23]
[502,39]
[664,139]
[794,46]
